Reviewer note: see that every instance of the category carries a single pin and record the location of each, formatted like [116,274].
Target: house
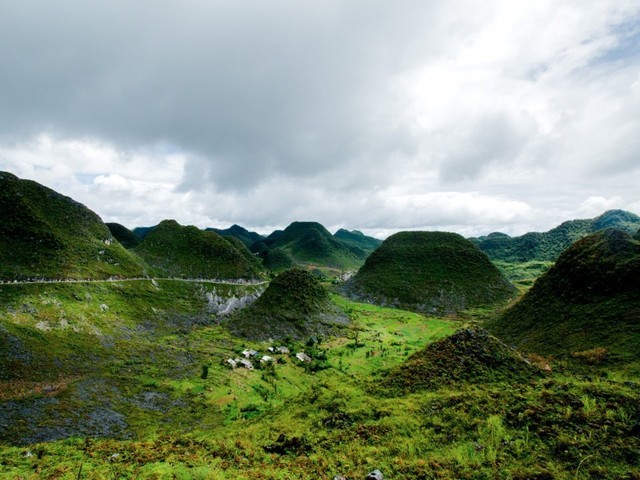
[249,353]
[246,364]
[232,363]
[303,357]
[266,359]
[283,350]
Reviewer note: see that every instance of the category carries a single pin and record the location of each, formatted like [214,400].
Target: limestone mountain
[247,237]
[311,243]
[588,299]
[432,272]
[547,246]
[358,239]
[467,356]
[126,237]
[46,234]
[187,251]
[142,232]
[294,305]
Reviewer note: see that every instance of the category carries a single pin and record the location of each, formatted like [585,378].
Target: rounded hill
[467,356]
[187,251]
[431,272]
[294,305]
[44,234]
[311,243]
[589,298]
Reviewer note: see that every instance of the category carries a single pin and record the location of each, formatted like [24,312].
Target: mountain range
[547,246]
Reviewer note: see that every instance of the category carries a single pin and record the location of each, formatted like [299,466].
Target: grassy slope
[589,299]
[291,422]
[435,272]
[294,305]
[45,234]
[241,233]
[122,234]
[547,246]
[311,243]
[186,251]
[357,239]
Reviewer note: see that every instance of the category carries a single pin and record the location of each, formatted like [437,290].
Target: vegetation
[434,272]
[290,421]
[468,357]
[122,234]
[186,251]
[241,233]
[132,378]
[295,305]
[547,246]
[355,238]
[588,299]
[46,235]
[309,243]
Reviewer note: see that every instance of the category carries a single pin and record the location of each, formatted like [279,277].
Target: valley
[197,354]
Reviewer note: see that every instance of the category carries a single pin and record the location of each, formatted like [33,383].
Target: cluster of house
[249,355]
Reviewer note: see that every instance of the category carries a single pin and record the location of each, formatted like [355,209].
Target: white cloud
[456,115]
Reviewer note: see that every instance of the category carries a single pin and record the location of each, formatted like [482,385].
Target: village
[252,356]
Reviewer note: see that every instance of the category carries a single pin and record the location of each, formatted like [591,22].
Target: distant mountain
[247,237]
[311,243]
[467,356]
[187,251]
[358,239]
[126,237]
[590,298]
[295,305]
[549,245]
[142,232]
[45,234]
[432,272]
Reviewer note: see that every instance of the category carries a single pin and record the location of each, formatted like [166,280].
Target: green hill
[295,305]
[187,251]
[355,238]
[549,245]
[126,237]
[311,243]
[247,237]
[142,232]
[467,356]
[588,299]
[46,234]
[432,272]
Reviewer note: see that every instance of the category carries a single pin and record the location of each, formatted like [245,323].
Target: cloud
[365,114]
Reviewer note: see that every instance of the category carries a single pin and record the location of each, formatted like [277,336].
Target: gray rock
[375,475]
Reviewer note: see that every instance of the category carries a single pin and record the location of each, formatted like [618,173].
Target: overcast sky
[468,116]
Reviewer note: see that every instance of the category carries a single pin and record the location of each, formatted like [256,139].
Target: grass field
[186,414]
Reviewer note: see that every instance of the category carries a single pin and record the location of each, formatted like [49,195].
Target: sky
[466,116]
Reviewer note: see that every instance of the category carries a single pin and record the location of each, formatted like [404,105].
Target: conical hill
[589,299]
[432,272]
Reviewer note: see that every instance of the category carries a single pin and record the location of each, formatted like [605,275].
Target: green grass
[294,421]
